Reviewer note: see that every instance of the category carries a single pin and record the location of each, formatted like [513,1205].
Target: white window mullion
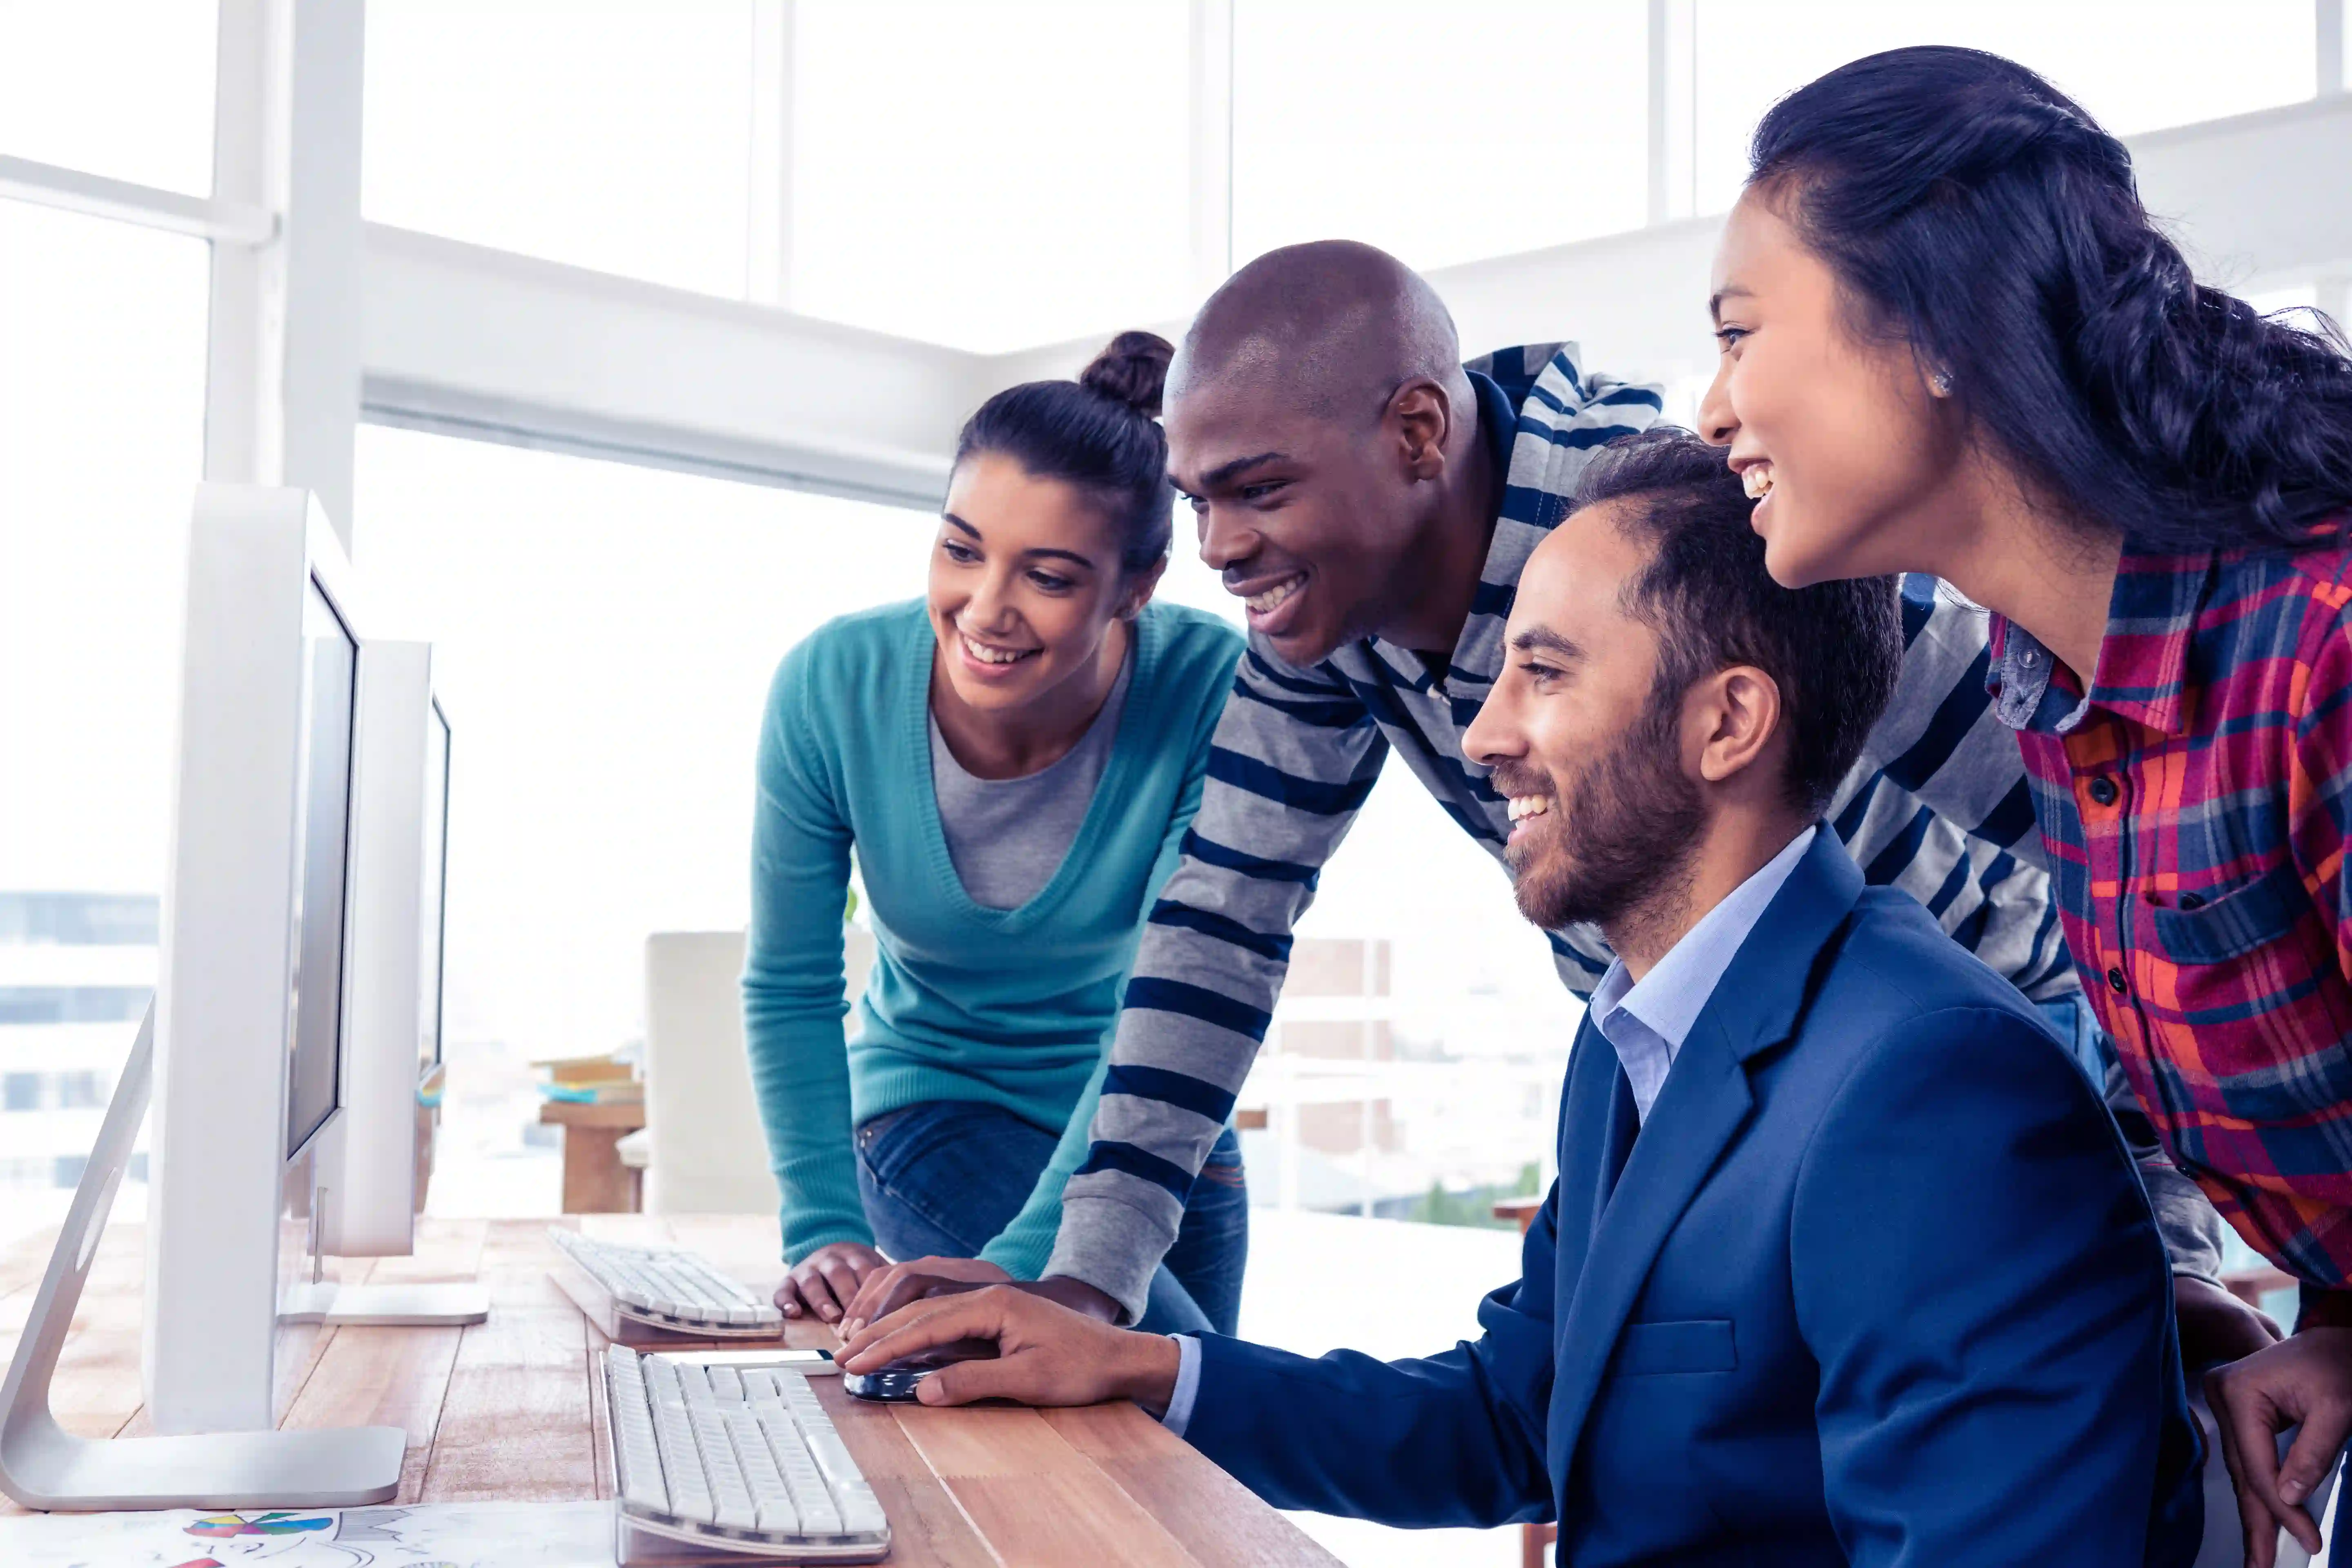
[282,376]
[1212,142]
[767,262]
[1674,110]
[2328,17]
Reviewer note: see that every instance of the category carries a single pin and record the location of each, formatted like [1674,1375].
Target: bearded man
[1845,1263]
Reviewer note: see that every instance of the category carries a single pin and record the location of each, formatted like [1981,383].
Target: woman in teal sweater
[1016,759]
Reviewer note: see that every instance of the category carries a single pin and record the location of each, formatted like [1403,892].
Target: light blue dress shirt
[1646,1021]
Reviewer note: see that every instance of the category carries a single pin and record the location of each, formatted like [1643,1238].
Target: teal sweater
[1012,1007]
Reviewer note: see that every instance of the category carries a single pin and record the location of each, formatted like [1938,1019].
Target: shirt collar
[2143,655]
[1668,1000]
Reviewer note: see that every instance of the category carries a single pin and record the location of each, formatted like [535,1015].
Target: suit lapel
[1585,1165]
[1702,1106]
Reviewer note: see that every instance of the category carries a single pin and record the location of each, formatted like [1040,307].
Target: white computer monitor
[254,997]
[375,1159]
[244,1049]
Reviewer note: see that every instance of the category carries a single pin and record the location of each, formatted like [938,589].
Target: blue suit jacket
[1877,1284]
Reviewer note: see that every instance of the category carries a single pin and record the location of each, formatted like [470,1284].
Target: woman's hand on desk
[1046,1353]
[886,1290]
[2304,1381]
[822,1284]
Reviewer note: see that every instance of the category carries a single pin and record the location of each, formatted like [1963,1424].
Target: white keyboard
[671,1289]
[741,1459]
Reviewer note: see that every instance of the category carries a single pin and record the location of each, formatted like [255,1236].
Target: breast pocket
[2255,982]
[2236,923]
[1664,1349]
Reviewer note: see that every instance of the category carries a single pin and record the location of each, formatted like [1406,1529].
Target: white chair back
[708,1154]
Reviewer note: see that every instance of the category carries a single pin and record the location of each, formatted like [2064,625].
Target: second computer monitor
[374,1166]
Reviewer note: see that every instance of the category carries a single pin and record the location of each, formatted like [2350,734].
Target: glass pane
[603,639]
[2135,65]
[118,88]
[992,176]
[620,142]
[1412,131]
[101,442]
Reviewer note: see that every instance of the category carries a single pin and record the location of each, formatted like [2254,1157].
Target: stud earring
[1940,384]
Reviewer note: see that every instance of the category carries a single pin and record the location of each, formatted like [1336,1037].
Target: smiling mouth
[1524,806]
[983,653]
[1756,478]
[1267,600]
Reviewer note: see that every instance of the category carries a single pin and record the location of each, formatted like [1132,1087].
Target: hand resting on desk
[822,1284]
[888,1290]
[1046,1353]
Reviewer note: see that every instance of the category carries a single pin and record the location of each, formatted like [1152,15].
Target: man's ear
[1733,715]
[1422,419]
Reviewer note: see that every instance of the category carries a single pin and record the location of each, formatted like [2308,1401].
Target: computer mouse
[885,1387]
[895,1382]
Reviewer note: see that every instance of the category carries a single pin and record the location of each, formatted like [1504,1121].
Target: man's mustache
[1511,779]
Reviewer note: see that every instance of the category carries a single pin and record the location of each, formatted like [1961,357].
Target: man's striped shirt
[1297,751]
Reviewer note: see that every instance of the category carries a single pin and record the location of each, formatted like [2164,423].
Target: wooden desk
[594,1180]
[509,1410]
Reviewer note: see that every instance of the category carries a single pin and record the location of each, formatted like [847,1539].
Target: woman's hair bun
[1132,370]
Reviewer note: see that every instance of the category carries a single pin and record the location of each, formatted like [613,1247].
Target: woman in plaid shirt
[1954,342]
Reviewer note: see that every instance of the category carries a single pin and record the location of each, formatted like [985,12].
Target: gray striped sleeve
[1293,758]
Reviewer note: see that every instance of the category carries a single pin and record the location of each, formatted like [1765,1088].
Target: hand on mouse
[886,1290]
[896,1286]
[1046,1353]
[825,1283]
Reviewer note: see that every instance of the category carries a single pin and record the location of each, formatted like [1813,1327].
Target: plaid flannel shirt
[2195,806]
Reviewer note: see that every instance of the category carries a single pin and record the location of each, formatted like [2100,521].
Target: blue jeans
[943,1178]
[2079,1027]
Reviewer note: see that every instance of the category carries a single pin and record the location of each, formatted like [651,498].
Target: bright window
[1441,136]
[992,176]
[118,88]
[2135,65]
[604,636]
[101,433]
[616,137]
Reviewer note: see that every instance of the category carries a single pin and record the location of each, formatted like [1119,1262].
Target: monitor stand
[42,1466]
[427,1305]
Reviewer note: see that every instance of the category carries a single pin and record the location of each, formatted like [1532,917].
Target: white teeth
[1523,807]
[987,655]
[1756,479]
[1260,604]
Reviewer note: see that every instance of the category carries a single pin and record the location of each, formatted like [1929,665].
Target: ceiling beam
[479,343]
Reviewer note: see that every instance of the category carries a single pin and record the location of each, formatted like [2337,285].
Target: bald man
[1372,500]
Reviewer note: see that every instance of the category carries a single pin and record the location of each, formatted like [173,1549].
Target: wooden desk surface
[509,1410]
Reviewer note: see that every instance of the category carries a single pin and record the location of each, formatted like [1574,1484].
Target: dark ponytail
[1970,209]
[1099,434]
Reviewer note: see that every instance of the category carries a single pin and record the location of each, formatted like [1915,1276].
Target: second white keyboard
[741,1459]
[672,1289]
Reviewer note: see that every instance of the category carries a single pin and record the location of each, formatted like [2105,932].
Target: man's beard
[1626,827]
